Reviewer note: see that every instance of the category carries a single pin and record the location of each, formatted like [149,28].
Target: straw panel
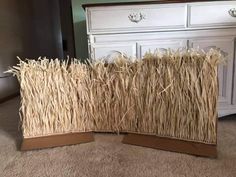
[172,94]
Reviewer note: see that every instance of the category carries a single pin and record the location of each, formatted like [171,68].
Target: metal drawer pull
[223,53]
[115,54]
[232,12]
[136,17]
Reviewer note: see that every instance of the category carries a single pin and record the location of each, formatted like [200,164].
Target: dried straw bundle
[172,95]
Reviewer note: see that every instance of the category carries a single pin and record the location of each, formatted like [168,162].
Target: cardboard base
[56,140]
[169,144]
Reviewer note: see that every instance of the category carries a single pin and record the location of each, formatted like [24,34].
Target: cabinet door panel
[109,51]
[225,71]
[162,45]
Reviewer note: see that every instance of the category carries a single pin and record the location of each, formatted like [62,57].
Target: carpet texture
[108,157]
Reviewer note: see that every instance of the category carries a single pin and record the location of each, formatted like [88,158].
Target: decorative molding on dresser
[133,28]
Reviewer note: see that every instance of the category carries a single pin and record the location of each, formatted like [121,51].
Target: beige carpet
[107,157]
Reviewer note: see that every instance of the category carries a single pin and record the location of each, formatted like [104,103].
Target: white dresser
[132,29]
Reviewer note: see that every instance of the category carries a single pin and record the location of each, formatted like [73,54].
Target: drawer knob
[232,12]
[115,54]
[225,54]
[136,17]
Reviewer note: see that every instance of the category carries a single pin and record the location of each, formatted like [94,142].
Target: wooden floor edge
[174,145]
[56,140]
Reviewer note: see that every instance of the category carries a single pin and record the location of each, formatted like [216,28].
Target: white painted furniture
[133,29]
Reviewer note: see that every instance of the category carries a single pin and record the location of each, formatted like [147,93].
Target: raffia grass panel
[171,95]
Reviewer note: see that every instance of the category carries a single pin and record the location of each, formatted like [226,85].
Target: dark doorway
[51,29]
[67,28]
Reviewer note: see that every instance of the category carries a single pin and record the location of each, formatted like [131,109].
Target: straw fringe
[172,95]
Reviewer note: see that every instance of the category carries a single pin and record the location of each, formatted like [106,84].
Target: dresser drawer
[135,18]
[212,14]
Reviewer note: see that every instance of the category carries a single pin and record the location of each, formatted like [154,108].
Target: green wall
[80,25]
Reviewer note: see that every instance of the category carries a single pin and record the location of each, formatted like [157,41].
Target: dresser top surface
[143,2]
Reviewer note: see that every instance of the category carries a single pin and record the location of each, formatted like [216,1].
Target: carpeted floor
[108,157]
